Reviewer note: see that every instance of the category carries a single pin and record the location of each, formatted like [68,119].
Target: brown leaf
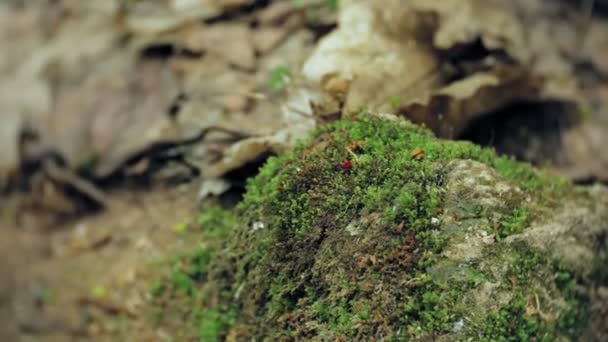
[275,13]
[463,21]
[450,109]
[336,86]
[267,38]
[111,116]
[155,17]
[232,42]
[357,52]
[417,153]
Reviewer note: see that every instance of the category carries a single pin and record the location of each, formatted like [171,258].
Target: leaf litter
[98,95]
[150,76]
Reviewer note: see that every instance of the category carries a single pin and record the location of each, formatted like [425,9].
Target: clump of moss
[337,240]
[179,293]
[528,314]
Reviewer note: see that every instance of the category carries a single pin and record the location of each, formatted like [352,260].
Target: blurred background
[120,119]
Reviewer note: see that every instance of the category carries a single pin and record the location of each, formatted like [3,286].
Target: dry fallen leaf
[336,86]
[461,22]
[111,116]
[449,110]
[378,63]
[112,103]
[267,38]
[384,50]
[417,154]
[232,42]
[275,12]
[151,18]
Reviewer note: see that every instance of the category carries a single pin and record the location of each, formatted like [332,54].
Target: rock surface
[417,239]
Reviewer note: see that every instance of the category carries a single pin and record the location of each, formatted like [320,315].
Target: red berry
[347,165]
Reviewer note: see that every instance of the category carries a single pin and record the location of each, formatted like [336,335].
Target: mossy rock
[376,230]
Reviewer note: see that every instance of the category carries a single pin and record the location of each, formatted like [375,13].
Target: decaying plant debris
[372,229]
[146,73]
[448,242]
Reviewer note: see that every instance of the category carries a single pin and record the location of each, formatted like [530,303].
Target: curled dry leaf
[298,121]
[150,18]
[110,117]
[564,33]
[417,154]
[231,100]
[267,38]
[232,42]
[391,65]
[449,110]
[379,62]
[155,17]
[336,86]
[461,22]
[391,54]
[29,66]
[108,105]
[275,13]
[273,121]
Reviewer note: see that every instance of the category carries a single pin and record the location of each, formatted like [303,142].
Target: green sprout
[279,77]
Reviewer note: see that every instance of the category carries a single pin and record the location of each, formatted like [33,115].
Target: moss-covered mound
[374,229]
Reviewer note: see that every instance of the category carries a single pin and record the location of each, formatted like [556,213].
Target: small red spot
[347,165]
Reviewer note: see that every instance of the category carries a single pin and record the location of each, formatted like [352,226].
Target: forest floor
[120,121]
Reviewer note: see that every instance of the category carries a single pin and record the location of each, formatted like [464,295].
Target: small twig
[540,313]
[65,176]
[352,153]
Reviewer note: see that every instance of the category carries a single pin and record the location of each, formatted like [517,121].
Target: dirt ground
[98,97]
[89,277]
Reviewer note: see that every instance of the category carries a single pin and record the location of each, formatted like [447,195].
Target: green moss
[281,293]
[339,317]
[296,192]
[157,288]
[181,287]
[516,222]
[513,323]
[338,233]
[524,263]
[573,320]
[474,278]
[523,317]
[516,320]
[216,222]
[189,269]
[214,323]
